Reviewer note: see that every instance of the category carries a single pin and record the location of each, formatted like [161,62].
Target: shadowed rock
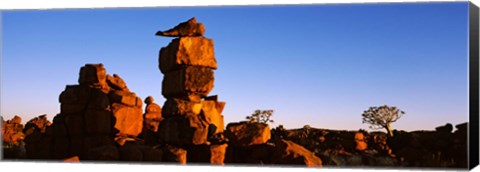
[188,28]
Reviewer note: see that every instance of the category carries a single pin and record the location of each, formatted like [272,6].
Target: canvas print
[382,85]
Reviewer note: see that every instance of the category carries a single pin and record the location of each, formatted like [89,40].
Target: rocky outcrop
[247,133]
[12,131]
[190,119]
[288,152]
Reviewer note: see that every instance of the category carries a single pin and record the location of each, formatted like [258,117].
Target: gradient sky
[320,65]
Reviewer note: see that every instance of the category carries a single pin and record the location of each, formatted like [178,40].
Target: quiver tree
[382,117]
[261,116]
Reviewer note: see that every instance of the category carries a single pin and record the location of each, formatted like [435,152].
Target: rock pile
[12,131]
[190,116]
[95,114]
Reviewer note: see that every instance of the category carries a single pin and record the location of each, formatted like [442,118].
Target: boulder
[183,130]
[93,75]
[211,111]
[175,106]
[174,154]
[72,159]
[188,80]
[98,122]
[247,133]
[217,153]
[128,120]
[125,98]
[189,51]
[116,82]
[288,152]
[188,28]
[75,124]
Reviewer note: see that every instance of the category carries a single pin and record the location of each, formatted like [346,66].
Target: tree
[261,116]
[382,117]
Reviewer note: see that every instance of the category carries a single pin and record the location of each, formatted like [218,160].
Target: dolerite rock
[446,129]
[184,130]
[188,80]
[288,152]
[38,138]
[116,82]
[191,51]
[94,75]
[188,28]
[151,120]
[361,145]
[12,131]
[247,133]
[93,113]
[191,120]
[212,112]
[128,120]
[177,106]
[104,153]
[174,154]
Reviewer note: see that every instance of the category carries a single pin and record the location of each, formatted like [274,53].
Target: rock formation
[191,118]
[95,114]
[12,131]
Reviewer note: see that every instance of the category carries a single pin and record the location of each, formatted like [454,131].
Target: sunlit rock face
[192,121]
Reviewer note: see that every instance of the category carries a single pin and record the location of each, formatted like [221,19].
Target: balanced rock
[190,51]
[247,133]
[188,28]
[188,80]
[288,152]
[152,116]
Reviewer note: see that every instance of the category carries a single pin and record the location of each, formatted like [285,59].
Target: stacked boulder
[191,118]
[151,120]
[95,114]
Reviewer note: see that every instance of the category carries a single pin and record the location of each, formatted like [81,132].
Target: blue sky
[320,65]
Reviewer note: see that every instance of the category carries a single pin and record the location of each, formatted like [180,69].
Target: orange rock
[189,51]
[16,120]
[128,120]
[359,136]
[175,106]
[288,152]
[188,28]
[211,111]
[247,134]
[175,154]
[125,97]
[217,154]
[116,82]
[361,145]
[188,80]
[72,159]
